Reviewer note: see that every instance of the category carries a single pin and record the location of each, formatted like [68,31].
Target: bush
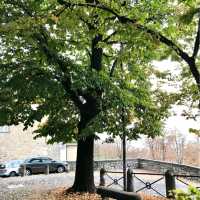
[192,194]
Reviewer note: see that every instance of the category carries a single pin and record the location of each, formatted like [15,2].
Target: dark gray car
[39,165]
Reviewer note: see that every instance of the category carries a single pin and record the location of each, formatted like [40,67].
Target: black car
[39,165]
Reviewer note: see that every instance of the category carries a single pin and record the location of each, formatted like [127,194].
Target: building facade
[18,144]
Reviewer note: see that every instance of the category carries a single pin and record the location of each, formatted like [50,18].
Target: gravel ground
[21,188]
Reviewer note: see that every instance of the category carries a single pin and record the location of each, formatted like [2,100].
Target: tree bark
[84,177]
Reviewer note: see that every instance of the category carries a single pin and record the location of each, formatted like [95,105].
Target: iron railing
[114,181]
[149,185]
[169,181]
[184,178]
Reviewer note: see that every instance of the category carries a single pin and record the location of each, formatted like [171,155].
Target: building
[18,144]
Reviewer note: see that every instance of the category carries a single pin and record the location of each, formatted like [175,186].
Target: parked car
[37,165]
[10,168]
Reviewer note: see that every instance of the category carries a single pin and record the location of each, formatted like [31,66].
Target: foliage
[171,28]
[46,73]
[195,131]
[192,193]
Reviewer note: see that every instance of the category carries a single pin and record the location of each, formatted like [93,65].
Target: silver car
[10,168]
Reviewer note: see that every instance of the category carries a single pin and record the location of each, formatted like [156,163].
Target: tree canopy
[46,71]
[84,67]
[170,24]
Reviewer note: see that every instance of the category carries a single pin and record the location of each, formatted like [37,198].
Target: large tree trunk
[84,177]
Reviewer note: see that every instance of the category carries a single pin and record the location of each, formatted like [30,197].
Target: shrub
[192,194]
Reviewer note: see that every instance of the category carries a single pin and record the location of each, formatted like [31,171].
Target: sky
[182,124]
[176,121]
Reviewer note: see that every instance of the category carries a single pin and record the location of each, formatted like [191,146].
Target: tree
[157,147]
[58,62]
[177,143]
[179,147]
[119,148]
[164,146]
[159,20]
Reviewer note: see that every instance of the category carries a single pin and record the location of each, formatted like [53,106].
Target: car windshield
[27,160]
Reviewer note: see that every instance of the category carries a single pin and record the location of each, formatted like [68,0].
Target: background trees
[173,143]
[171,146]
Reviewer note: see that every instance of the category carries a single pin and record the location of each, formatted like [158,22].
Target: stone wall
[19,144]
[161,166]
[108,164]
[151,165]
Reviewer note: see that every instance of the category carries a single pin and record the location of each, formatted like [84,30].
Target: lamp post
[124,150]
[124,160]
[123,135]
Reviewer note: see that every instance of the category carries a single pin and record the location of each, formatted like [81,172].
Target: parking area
[22,188]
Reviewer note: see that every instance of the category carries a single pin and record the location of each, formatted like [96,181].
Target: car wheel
[12,174]
[28,172]
[60,169]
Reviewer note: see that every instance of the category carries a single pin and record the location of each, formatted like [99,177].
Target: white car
[10,168]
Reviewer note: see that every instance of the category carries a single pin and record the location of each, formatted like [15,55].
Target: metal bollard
[23,170]
[47,170]
[130,186]
[102,178]
[169,183]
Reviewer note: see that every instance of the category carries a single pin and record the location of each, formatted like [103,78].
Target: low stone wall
[115,164]
[108,164]
[161,166]
[151,165]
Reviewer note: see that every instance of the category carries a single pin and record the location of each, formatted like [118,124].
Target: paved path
[20,188]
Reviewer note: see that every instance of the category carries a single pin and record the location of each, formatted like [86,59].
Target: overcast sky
[176,121]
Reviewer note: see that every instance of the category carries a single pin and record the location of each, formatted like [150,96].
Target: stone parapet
[151,165]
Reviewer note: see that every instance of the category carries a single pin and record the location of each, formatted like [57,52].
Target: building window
[4,129]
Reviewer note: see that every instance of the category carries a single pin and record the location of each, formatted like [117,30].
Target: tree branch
[165,41]
[57,13]
[197,41]
[112,34]
[113,67]
[97,5]
[124,20]
[115,62]
[107,56]
[63,63]
[116,42]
